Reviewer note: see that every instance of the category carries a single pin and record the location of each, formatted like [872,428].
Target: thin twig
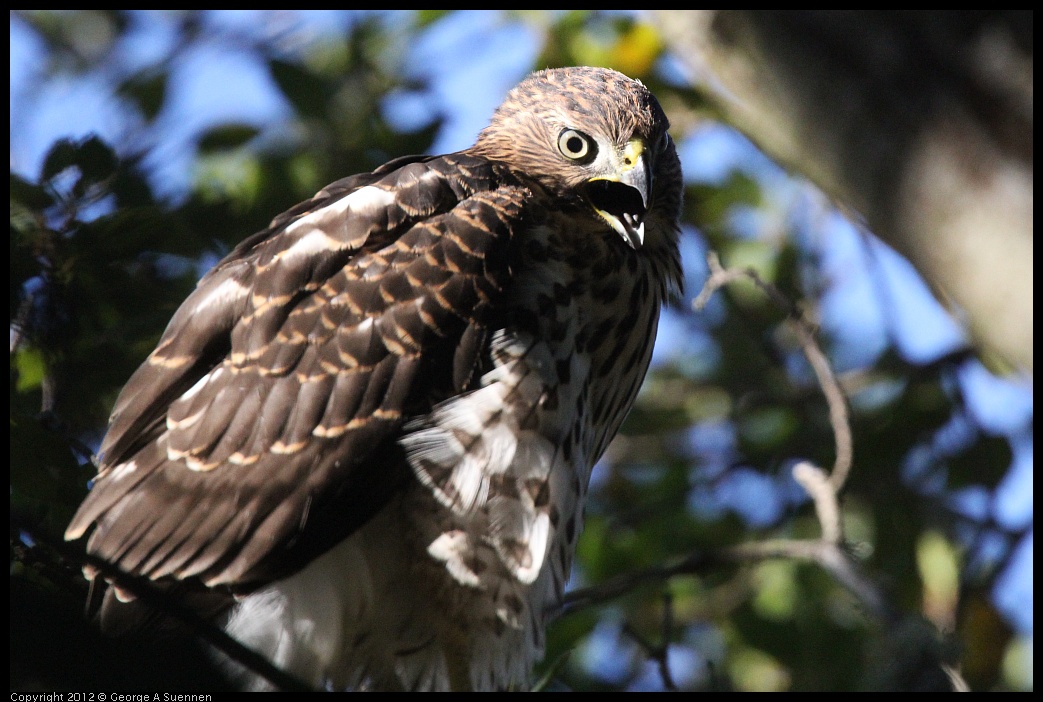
[666,636]
[956,679]
[584,597]
[828,556]
[827,380]
[823,495]
[838,417]
[659,653]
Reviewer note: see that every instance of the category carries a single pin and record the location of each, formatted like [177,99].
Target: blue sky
[472,59]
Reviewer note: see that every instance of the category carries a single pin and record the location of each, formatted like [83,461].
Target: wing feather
[277,393]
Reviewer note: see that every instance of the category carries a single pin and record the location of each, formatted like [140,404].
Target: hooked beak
[621,198]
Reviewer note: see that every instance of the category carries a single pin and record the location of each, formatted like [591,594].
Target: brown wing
[262,429]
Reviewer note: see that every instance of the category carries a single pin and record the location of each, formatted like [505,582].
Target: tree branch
[658,652]
[805,331]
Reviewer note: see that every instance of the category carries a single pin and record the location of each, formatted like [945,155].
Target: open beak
[621,198]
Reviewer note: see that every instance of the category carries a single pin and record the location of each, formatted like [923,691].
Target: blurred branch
[829,556]
[824,496]
[827,379]
[959,684]
[826,553]
[659,652]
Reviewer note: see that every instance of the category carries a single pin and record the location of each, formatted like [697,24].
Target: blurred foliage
[99,262]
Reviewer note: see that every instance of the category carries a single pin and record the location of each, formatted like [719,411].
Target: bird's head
[593,136]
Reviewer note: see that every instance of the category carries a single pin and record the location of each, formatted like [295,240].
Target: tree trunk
[919,121]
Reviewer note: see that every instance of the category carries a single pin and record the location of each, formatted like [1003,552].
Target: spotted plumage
[374,422]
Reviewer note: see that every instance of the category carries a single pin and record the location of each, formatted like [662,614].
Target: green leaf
[29,195]
[984,463]
[148,90]
[306,90]
[29,369]
[60,157]
[96,159]
[425,18]
[227,137]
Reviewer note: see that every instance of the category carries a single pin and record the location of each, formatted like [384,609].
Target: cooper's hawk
[374,422]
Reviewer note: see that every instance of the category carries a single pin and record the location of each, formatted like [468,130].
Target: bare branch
[827,379]
[659,653]
[829,556]
[959,684]
[818,486]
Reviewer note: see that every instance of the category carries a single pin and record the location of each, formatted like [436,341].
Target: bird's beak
[621,197]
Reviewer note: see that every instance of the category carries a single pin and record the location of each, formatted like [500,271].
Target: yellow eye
[577,145]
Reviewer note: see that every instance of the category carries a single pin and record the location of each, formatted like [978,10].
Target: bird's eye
[577,145]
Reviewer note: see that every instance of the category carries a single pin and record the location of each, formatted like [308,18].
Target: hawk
[372,425]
